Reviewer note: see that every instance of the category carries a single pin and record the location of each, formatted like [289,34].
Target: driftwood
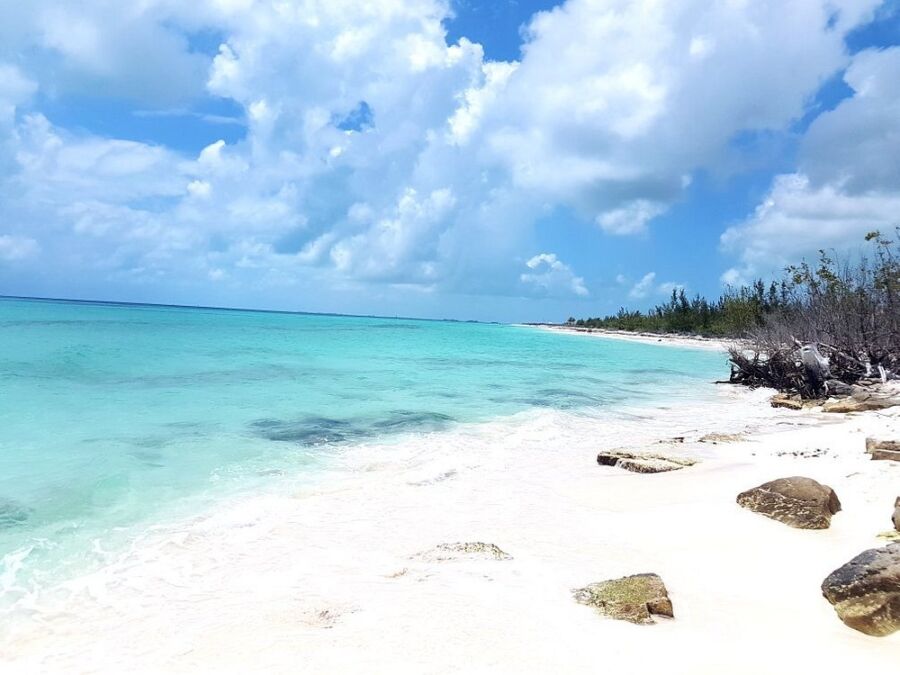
[801,368]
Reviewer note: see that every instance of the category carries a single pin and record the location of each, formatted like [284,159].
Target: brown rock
[635,598]
[897,514]
[875,444]
[642,462]
[860,401]
[865,592]
[796,501]
[786,401]
[889,450]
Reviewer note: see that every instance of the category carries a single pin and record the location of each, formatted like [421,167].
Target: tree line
[849,308]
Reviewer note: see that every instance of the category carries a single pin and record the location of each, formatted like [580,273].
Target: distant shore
[669,339]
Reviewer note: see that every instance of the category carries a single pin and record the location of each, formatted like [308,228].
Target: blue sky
[493,160]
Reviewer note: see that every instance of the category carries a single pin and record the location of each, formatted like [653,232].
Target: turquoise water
[116,416]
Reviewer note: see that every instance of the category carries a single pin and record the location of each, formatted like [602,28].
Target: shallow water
[117,417]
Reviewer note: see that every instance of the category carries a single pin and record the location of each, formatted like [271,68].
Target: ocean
[117,419]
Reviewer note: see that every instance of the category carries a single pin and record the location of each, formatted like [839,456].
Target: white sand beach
[668,339]
[332,578]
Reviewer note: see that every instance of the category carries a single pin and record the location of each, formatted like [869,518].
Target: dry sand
[693,341]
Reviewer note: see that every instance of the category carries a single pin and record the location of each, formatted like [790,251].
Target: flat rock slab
[715,438]
[464,550]
[635,598]
[643,462]
[884,450]
[861,402]
[796,501]
[865,592]
[786,401]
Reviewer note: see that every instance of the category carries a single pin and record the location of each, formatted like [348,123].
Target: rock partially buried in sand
[861,401]
[865,592]
[462,550]
[786,401]
[635,598]
[797,501]
[642,462]
[884,450]
[715,438]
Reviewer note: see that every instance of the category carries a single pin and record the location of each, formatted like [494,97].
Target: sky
[507,160]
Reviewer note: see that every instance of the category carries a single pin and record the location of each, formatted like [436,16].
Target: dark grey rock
[865,592]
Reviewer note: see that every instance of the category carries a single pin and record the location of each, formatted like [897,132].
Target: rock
[897,514]
[865,592]
[875,444]
[889,450]
[467,549]
[12,514]
[860,401]
[796,501]
[838,388]
[721,438]
[786,401]
[634,598]
[642,462]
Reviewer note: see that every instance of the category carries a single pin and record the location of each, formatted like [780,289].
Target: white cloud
[17,248]
[549,276]
[644,287]
[612,108]
[631,218]
[647,286]
[845,185]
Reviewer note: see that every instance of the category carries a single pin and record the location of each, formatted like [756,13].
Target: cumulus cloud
[844,187]
[549,275]
[376,152]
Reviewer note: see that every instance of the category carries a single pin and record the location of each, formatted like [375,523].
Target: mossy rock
[635,598]
[465,549]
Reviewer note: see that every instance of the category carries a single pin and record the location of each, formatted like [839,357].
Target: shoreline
[668,340]
[342,576]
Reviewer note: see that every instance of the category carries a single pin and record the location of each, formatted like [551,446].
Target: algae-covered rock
[643,462]
[462,550]
[634,598]
[865,592]
[796,501]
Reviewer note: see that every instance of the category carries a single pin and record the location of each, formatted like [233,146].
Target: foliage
[849,309]
[735,312]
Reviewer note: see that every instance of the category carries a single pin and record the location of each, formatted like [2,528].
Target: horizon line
[237,309]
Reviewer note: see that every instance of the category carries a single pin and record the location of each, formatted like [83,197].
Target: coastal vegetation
[832,319]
